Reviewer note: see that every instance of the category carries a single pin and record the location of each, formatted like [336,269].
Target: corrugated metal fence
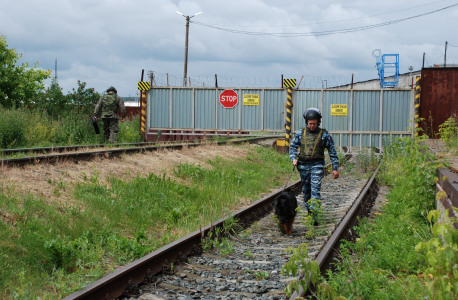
[371,115]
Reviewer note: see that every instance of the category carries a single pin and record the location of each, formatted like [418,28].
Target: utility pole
[185,73]
[445,55]
[151,77]
[55,73]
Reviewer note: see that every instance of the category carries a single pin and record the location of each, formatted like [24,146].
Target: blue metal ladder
[388,68]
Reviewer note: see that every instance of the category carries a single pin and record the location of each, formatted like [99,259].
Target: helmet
[112,88]
[312,114]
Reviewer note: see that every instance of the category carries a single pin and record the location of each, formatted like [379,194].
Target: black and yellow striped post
[288,83]
[143,87]
[417,103]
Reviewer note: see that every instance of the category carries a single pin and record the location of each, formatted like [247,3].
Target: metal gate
[197,112]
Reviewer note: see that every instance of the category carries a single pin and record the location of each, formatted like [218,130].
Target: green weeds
[248,254]
[300,264]
[366,161]
[441,256]
[382,263]
[395,256]
[50,250]
[261,276]
[32,128]
[312,218]
[449,133]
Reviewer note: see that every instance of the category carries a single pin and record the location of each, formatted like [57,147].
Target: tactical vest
[109,106]
[311,148]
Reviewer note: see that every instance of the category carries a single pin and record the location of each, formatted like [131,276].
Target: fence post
[143,115]
[417,103]
[143,110]
[289,105]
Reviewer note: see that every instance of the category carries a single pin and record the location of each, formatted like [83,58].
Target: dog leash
[292,172]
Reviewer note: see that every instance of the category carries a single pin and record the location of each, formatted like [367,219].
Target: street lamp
[185,75]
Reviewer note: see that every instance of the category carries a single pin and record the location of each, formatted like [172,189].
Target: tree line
[23,86]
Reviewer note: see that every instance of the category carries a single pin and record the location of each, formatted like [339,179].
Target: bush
[40,130]
[12,128]
[129,131]
[77,130]
[449,132]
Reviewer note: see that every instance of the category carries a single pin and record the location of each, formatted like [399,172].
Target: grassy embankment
[23,128]
[47,251]
[383,263]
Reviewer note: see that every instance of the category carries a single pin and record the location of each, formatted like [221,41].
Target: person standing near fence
[307,153]
[109,105]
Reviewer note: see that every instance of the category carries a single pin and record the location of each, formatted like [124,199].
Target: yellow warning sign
[143,85]
[339,109]
[251,99]
[289,83]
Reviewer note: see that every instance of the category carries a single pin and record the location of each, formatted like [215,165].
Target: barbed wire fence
[304,82]
[437,59]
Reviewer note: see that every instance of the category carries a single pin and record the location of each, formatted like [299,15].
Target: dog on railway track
[285,210]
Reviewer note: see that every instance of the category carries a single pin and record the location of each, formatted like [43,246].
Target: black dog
[285,210]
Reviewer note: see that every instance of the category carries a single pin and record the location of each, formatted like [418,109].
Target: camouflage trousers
[311,176]
[110,129]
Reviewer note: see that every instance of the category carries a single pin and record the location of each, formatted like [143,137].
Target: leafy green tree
[19,84]
[53,101]
[83,98]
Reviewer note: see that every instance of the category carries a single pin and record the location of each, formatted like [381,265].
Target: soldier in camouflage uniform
[109,104]
[311,142]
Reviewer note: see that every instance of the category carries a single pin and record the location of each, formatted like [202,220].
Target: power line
[319,23]
[319,33]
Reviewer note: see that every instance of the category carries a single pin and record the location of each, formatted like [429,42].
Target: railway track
[68,152]
[246,265]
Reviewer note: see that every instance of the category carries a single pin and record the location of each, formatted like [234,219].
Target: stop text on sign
[228,98]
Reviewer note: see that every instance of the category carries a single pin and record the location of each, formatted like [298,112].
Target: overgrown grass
[449,134]
[23,127]
[48,251]
[383,264]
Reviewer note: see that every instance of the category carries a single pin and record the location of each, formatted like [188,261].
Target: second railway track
[252,267]
[88,152]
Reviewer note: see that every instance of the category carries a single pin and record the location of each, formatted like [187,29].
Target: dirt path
[55,182]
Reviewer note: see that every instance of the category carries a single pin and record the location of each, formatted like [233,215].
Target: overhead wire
[320,33]
[337,21]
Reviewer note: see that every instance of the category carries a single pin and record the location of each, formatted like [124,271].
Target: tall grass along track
[99,152]
[244,263]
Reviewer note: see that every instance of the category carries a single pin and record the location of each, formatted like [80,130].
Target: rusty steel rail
[448,183]
[344,230]
[125,281]
[61,149]
[56,158]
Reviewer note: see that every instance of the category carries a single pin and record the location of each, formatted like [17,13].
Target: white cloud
[108,42]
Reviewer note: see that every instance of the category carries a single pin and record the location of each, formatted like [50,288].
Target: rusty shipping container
[439,98]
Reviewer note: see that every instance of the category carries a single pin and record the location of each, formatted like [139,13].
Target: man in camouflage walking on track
[109,104]
[311,142]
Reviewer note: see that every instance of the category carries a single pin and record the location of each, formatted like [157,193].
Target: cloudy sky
[109,42]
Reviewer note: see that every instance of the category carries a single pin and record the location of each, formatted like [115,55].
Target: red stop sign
[228,98]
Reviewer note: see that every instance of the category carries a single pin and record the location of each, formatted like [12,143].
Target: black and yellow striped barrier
[143,114]
[417,103]
[289,83]
[289,105]
[143,86]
